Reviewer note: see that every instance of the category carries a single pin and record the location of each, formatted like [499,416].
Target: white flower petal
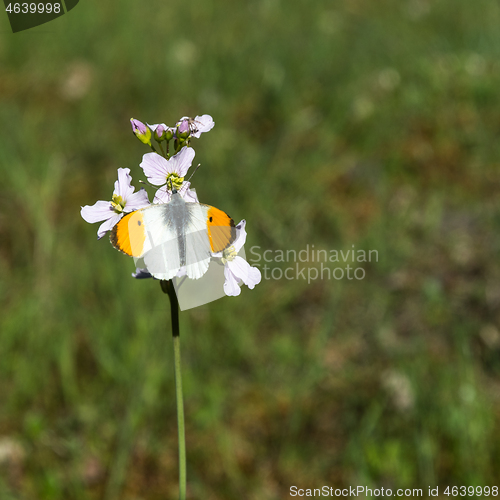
[137,200]
[240,268]
[189,195]
[203,123]
[155,126]
[254,277]
[231,286]
[108,225]
[162,195]
[241,235]
[181,162]
[156,168]
[100,210]
[243,271]
[122,185]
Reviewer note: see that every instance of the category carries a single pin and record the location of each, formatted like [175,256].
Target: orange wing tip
[221,229]
[129,234]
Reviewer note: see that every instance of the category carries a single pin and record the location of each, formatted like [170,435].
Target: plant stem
[168,288]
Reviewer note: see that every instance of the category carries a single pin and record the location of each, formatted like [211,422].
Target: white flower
[237,269]
[124,200]
[169,174]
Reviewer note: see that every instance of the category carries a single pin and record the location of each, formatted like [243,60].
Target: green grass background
[363,123]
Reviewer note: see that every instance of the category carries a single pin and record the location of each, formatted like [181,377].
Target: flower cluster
[167,172]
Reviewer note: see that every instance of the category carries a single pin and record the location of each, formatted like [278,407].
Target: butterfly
[174,235]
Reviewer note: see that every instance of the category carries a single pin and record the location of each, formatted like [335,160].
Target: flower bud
[160,133]
[169,133]
[183,129]
[141,131]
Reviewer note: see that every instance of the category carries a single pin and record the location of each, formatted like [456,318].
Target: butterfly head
[172,187]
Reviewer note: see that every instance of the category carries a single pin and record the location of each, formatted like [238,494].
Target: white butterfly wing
[197,249]
[176,236]
[161,249]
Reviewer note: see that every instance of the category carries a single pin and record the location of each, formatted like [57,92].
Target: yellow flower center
[174,181]
[229,254]
[118,203]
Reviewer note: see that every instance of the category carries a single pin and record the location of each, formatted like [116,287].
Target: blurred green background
[363,123]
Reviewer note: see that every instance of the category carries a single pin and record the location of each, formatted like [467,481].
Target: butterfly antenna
[148,184]
[195,170]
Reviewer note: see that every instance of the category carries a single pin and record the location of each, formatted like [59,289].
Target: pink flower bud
[183,129]
[160,133]
[141,131]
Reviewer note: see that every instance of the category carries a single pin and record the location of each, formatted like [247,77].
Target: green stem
[168,288]
[180,419]
[162,150]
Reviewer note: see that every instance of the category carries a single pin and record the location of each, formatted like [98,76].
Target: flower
[237,269]
[140,130]
[197,126]
[124,200]
[169,174]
